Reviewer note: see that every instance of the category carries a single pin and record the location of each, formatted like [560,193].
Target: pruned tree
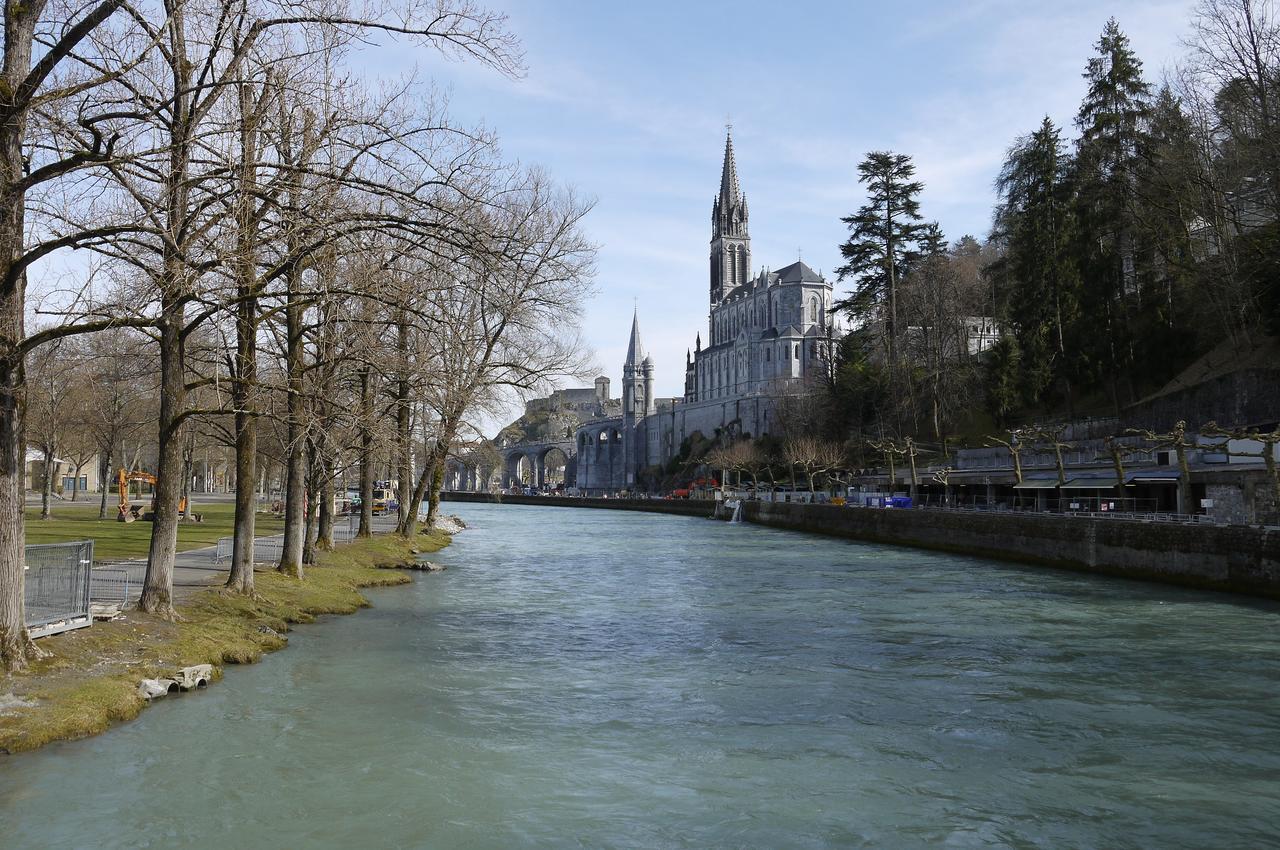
[813,456]
[1177,440]
[1267,440]
[1015,443]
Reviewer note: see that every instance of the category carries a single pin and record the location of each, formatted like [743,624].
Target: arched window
[813,310]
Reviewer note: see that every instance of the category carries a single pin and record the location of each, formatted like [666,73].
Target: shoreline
[1234,559]
[89,681]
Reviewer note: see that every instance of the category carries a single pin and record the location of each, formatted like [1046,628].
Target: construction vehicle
[129,512]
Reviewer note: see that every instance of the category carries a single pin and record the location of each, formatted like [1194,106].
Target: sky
[628,103]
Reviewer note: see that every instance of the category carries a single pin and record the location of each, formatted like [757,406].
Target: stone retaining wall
[1234,558]
[1240,559]
[681,507]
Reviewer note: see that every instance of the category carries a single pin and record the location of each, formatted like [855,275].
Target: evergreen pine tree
[1112,121]
[1043,294]
[882,242]
[1168,201]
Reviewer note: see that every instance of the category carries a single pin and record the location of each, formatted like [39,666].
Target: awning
[1153,476]
[1037,484]
[1090,484]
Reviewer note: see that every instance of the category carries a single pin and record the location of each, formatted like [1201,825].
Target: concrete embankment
[681,507]
[1238,559]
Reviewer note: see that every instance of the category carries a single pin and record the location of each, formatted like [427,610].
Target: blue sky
[628,101]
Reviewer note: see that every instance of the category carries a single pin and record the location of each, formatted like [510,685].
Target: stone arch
[553,464]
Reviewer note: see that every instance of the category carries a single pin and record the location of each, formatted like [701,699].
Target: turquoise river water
[585,678]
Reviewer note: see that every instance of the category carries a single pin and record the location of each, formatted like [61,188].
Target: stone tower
[637,401]
[730,241]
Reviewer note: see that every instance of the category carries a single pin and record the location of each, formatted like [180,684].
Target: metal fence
[109,589]
[1140,510]
[58,578]
[265,549]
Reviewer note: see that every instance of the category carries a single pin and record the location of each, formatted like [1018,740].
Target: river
[583,678]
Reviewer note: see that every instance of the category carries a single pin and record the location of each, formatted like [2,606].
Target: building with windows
[768,331]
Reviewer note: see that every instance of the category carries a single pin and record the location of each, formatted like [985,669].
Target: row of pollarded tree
[812,458]
[293,247]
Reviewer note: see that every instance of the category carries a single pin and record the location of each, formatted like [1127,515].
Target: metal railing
[1134,510]
[57,587]
[265,549]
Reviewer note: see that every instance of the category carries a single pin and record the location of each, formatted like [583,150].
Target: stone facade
[768,332]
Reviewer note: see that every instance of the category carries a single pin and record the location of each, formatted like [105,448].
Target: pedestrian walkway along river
[609,679]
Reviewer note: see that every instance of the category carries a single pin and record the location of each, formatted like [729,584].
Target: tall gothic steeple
[730,241]
[635,351]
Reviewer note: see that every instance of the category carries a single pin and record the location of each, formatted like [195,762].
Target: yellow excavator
[128,512]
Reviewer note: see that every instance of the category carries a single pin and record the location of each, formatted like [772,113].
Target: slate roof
[798,272]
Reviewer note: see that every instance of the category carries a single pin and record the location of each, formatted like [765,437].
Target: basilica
[768,332]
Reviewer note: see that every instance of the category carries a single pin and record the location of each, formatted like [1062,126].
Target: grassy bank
[113,540]
[90,679]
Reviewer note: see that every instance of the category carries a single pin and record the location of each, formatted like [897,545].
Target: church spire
[730,241]
[730,192]
[635,351]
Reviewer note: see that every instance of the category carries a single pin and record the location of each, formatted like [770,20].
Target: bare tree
[813,456]
[507,321]
[1175,439]
[52,88]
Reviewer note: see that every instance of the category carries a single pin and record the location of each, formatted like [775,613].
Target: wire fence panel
[58,578]
[265,549]
[109,589]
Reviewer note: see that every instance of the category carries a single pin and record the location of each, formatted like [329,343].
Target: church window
[797,351]
[768,358]
[813,310]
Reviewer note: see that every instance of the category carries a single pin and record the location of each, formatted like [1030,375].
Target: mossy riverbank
[89,680]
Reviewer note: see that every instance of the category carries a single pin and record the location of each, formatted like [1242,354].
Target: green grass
[89,679]
[113,540]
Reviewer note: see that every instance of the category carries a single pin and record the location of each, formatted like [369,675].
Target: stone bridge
[521,463]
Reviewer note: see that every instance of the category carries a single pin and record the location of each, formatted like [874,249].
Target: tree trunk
[157,589]
[16,647]
[366,453]
[324,534]
[313,488]
[1184,479]
[188,471]
[244,394]
[241,578]
[409,524]
[295,459]
[104,475]
[46,483]
[404,425]
[433,497]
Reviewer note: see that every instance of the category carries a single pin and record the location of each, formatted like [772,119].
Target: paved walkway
[195,569]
